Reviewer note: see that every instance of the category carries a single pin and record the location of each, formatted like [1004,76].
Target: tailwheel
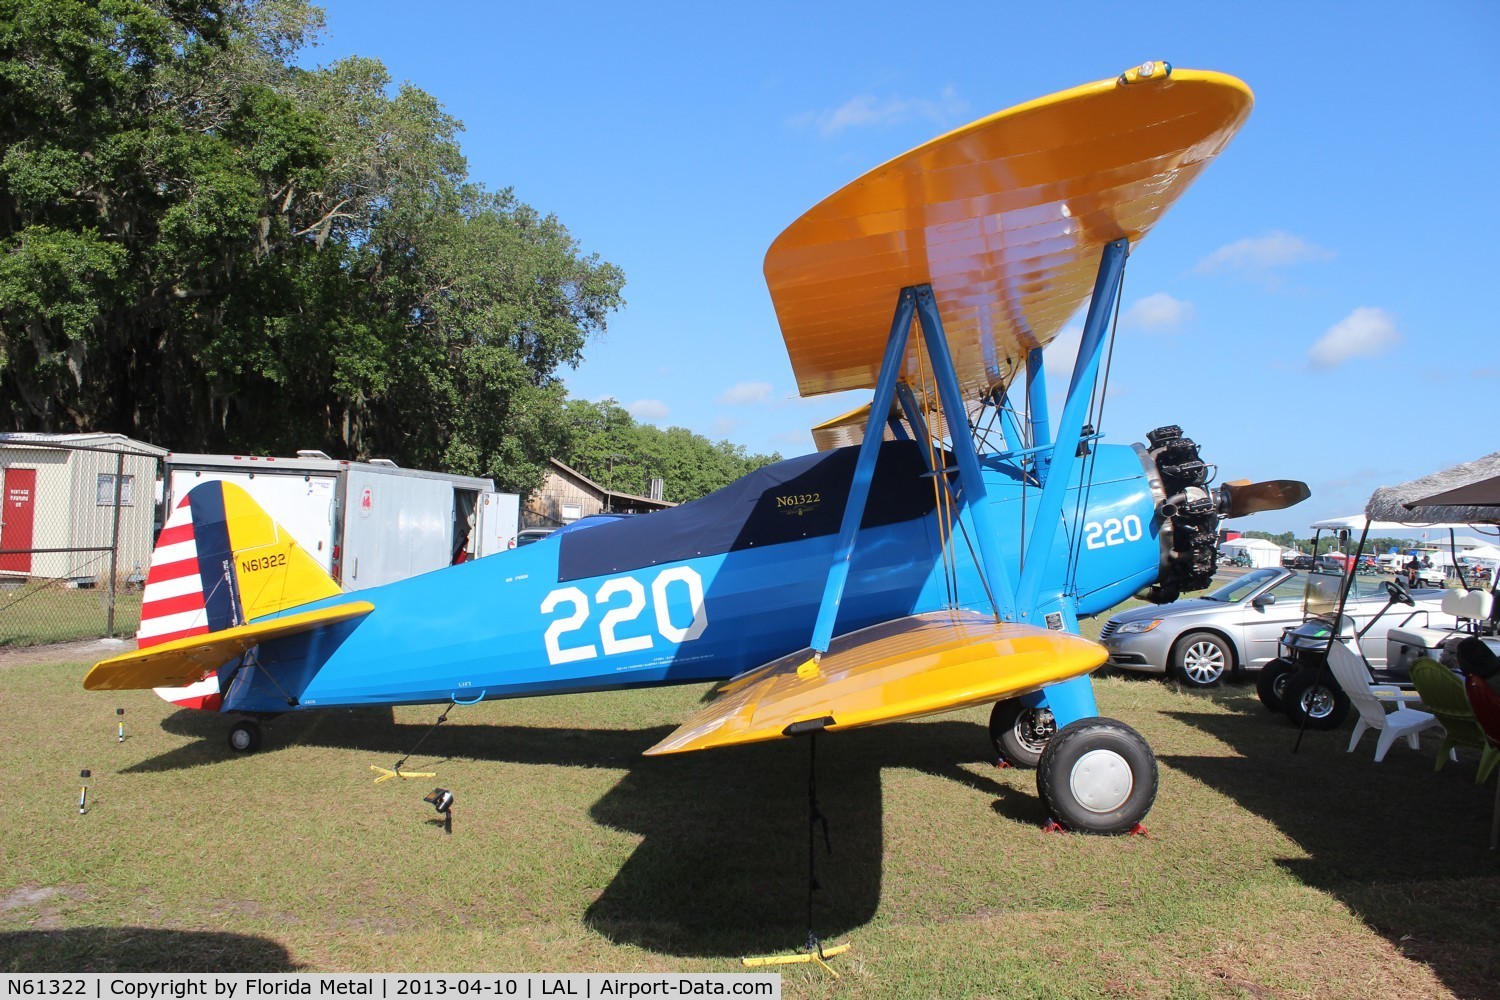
[1019,733]
[1097,775]
[244,736]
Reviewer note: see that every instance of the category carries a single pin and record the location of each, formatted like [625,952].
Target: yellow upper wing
[901,669]
[1005,218]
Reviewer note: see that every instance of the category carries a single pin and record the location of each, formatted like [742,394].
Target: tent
[1356,524]
[1469,492]
[1261,552]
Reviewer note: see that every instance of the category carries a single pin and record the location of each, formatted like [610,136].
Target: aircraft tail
[222,562]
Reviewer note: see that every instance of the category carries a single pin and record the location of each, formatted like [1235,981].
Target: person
[1412,567]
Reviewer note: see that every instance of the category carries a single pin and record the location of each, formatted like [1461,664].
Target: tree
[606,444]
[203,245]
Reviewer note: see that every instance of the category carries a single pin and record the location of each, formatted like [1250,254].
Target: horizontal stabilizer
[181,662]
[902,669]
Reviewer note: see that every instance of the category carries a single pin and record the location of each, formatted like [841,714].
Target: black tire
[1020,733]
[244,736]
[1313,694]
[1270,683]
[1202,659]
[1097,776]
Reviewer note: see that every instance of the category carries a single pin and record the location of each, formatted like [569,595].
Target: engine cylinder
[1189,530]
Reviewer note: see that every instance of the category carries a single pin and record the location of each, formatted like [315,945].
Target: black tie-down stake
[813,950]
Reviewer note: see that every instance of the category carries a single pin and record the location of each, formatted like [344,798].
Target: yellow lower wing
[903,669]
[185,661]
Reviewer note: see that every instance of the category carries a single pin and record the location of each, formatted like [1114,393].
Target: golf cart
[1467,494]
[1470,494]
[1297,682]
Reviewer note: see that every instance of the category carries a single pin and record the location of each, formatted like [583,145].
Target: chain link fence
[79,516]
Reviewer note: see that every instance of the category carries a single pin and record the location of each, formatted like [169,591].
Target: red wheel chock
[1056,826]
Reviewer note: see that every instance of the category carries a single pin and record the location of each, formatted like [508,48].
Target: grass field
[1265,874]
[47,612]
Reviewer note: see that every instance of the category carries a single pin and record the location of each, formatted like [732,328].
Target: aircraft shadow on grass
[721,869]
[1382,838]
[139,949]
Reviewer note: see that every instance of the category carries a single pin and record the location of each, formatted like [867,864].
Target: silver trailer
[366,523]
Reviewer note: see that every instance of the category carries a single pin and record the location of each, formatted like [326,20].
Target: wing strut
[1036,401]
[970,475]
[864,471]
[915,301]
[1064,455]
[1057,457]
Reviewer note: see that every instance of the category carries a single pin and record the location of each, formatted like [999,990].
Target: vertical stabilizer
[219,562]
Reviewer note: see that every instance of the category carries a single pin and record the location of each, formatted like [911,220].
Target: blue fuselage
[703,591]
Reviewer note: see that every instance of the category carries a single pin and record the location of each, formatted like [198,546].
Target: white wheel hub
[1101,781]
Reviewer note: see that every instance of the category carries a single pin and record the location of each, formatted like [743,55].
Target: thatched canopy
[1465,494]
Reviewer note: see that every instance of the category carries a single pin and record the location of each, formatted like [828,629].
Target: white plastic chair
[1354,678]
[1476,606]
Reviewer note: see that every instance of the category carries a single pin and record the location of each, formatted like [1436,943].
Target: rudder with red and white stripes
[221,561]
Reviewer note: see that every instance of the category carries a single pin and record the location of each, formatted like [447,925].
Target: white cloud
[1158,312]
[648,409]
[745,393]
[725,427]
[1365,332]
[867,110]
[1263,253]
[1061,354]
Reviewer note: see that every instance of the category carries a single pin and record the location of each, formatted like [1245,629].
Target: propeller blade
[1252,498]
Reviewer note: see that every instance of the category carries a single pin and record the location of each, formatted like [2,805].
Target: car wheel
[1270,683]
[1097,776]
[1313,696]
[1201,659]
[1020,733]
[244,736]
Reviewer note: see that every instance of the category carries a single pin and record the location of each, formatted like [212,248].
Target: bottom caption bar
[388,986]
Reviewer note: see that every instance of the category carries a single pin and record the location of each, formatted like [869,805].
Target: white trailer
[366,523]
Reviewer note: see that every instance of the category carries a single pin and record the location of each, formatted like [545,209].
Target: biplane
[935,553]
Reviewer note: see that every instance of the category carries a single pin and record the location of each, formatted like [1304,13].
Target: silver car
[1237,626]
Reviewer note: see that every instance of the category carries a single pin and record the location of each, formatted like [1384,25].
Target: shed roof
[83,441]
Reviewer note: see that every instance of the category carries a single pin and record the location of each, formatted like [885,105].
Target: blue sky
[1312,308]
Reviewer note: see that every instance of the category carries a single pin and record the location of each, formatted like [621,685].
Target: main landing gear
[1019,733]
[244,736]
[1095,775]
[245,732]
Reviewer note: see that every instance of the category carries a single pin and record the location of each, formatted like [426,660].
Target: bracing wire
[943,493]
[1096,418]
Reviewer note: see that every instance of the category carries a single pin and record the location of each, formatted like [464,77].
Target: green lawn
[45,612]
[1265,874]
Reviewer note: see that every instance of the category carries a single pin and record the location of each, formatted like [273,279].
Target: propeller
[1241,497]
